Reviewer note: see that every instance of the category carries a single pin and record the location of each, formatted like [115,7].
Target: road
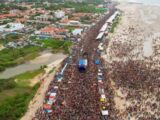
[78,94]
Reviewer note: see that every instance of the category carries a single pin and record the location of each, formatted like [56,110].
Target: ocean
[147,2]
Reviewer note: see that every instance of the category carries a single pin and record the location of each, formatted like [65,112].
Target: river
[43,59]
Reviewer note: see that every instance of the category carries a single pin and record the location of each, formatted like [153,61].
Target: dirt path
[39,97]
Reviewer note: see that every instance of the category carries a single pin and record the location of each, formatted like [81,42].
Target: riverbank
[133,61]
[42,60]
[10,57]
[17,92]
[38,99]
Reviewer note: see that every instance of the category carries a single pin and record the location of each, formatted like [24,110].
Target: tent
[53,94]
[104,112]
[97,61]
[100,36]
[100,74]
[48,111]
[47,106]
[49,102]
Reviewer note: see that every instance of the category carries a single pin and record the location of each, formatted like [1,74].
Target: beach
[133,58]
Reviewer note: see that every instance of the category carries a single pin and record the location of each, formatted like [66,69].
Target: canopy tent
[47,106]
[110,20]
[97,62]
[103,96]
[83,62]
[100,36]
[100,47]
[59,78]
[100,78]
[53,94]
[55,87]
[50,102]
[100,74]
[48,111]
[104,27]
[104,112]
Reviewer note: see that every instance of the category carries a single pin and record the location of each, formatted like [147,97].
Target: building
[15,11]
[53,31]
[59,14]
[10,27]
[44,17]
[77,32]
[21,20]
[3,16]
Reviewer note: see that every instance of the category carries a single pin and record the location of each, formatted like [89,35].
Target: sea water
[147,2]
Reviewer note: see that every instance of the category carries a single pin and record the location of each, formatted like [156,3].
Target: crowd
[135,75]
[78,95]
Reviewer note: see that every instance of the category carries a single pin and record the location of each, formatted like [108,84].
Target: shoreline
[134,64]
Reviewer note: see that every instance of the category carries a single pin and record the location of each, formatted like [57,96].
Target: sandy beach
[133,56]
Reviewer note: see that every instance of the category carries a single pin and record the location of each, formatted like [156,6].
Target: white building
[59,14]
[10,27]
[77,32]
[44,17]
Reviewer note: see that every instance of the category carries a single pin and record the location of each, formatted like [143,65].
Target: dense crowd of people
[78,95]
[134,75]
[136,78]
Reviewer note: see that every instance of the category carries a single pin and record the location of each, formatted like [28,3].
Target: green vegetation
[101,10]
[11,38]
[70,28]
[6,84]
[13,108]
[11,6]
[79,7]
[57,45]
[85,19]
[8,26]
[16,94]
[24,78]
[114,25]
[10,57]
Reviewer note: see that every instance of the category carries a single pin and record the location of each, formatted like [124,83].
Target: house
[77,31]
[10,27]
[44,17]
[59,14]
[68,10]
[53,31]
[67,22]
[15,11]
[82,14]
[21,20]
[3,16]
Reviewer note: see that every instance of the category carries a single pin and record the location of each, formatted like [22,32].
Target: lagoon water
[44,59]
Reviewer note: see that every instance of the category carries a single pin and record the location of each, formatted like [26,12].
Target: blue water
[148,2]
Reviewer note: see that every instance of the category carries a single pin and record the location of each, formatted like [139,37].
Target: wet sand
[137,38]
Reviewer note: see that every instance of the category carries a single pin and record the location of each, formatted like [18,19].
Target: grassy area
[57,45]
[24,79]
[101,10]
[13,108]
[79,7]
[10,38]
[19,81]
[11,57]
[16,94]
[70,28]
[114,25]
